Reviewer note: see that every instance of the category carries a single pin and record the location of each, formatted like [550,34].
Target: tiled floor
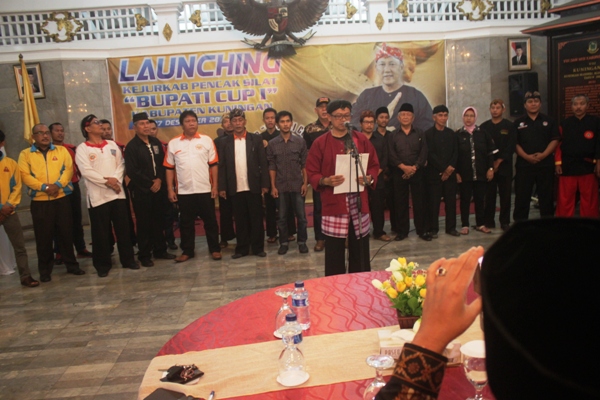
[85,337]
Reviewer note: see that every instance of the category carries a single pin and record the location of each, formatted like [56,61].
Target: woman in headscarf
[475,167]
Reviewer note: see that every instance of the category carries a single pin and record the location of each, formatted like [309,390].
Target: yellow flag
[31,117]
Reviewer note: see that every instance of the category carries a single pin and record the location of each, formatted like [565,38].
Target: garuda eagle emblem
[277,20]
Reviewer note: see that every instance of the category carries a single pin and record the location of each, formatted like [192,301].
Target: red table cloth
[338,303]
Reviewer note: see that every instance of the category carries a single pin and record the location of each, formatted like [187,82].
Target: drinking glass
[292,371]
[285,309]
[379,362]
[473,360]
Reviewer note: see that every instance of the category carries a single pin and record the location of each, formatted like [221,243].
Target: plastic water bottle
[292,322]
[300,305]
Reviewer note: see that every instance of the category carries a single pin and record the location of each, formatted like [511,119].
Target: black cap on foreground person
[541,308]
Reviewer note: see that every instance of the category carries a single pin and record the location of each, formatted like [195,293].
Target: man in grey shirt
[287,168]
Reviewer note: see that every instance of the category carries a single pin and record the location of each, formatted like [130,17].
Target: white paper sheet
[343,163]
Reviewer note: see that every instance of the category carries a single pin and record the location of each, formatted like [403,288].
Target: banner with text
[214,83]
[578,71]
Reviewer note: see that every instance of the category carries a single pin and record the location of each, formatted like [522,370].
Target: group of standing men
[478,160]
[240,168]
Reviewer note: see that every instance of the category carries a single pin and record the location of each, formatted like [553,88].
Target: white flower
[394,266]
[397,276]
[377,283]
[417,325]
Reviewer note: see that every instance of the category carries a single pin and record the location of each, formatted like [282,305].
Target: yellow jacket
[10,182]
[38,170]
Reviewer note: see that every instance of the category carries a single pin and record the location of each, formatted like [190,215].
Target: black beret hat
[440,108]
[140,117]
[337,104]
[407,107]
[382,110]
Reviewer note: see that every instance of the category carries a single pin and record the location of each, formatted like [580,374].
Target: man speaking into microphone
[342,218]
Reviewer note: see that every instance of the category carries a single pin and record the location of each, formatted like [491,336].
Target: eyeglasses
[341,116]
[96,122]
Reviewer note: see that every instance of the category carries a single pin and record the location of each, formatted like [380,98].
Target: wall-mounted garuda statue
[277,20]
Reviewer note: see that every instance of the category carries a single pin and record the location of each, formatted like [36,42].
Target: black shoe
[282,249]
[238,255]
[426,237]
[400,237]
[164,256]
[147,263]
[29,282]
[172,246]
[261,254]
[303,248]
[102,274]
[45,278]
[133,265]
[505,227]
[84,254]
[77,271]
[453,233]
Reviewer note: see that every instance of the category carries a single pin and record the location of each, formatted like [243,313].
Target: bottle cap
[291,317]
[299,284]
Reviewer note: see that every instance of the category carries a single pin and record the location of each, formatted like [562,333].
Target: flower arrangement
[406,287]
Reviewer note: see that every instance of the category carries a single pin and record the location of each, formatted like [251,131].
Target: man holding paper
[342,217]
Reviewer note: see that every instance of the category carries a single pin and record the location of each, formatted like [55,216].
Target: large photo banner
[213,83]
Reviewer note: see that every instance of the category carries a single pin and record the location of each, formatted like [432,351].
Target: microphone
[350,145]
[348,126]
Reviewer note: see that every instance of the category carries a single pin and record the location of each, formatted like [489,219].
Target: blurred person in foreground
[520,273]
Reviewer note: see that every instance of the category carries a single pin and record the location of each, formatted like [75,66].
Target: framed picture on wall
[34,74]
[519,54]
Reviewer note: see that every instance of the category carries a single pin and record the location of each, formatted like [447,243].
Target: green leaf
[413,303]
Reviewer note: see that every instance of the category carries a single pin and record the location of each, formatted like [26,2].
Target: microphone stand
[356,155]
